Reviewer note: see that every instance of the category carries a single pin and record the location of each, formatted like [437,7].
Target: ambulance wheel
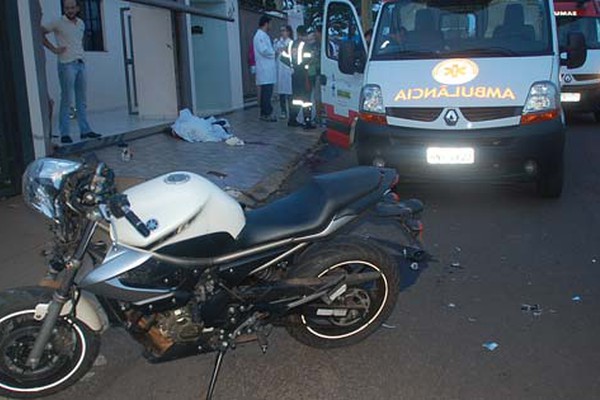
[550,185]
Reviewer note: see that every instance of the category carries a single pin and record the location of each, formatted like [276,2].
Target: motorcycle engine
[178,325]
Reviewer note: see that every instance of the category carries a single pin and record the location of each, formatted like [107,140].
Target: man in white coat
[266,68]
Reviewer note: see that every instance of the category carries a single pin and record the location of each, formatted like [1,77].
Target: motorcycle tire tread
[322,256]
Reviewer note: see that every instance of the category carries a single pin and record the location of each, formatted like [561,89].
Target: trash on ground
[456,265]
[100,361]
[472,319]
[218,174]
[458,249]
[195,129]
[491,346]
[234,141]
[388,326]
[534,309]
[451,305]
[576,298]
[594,260]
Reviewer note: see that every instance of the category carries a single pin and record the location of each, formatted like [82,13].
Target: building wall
[216,59]
[106,76]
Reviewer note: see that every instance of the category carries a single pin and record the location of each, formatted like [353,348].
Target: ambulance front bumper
[517,153]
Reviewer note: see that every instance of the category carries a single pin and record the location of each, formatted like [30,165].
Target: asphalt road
[513,248]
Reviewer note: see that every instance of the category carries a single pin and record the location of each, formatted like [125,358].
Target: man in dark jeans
[266,68]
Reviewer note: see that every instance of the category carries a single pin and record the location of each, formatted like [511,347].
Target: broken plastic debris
[576,298]
[388,326]
[100,361]
[451,305]
[456,265]
[491,346]
[534,309]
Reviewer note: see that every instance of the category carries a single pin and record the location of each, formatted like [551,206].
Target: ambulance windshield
[413,29]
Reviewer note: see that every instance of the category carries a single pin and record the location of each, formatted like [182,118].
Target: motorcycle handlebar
[119,207]
[135,221]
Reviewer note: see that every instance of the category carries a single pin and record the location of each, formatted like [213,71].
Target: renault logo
[451,118]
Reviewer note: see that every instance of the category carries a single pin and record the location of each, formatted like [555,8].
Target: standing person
[68,32]
[284,70]
[300,59]
[266,68]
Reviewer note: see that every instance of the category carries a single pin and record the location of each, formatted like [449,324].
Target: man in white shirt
[68,31]
[266,68]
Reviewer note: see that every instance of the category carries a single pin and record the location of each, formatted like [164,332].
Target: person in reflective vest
[300,57]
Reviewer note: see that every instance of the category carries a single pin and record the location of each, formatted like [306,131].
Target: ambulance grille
[424,114]
[586,77]
[480,114]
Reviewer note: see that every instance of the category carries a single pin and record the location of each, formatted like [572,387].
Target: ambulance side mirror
[576,51]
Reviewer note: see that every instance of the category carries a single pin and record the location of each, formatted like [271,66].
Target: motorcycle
[187,270]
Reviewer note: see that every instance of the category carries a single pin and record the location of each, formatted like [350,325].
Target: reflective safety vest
[298,55]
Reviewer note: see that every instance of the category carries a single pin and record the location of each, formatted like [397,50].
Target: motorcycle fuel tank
[178,206]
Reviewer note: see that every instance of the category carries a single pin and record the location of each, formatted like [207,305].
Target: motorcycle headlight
[42,182]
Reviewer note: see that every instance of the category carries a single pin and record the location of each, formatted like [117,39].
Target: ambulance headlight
[371,100]
[543,103]
[543,96]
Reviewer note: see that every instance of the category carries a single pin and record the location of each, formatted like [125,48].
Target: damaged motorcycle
[187,270]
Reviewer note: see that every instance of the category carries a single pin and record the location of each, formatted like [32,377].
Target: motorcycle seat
[310,209]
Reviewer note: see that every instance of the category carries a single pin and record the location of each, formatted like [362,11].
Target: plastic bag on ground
[194,129]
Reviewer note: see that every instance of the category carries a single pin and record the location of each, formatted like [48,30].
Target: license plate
[570,97]
[450,155]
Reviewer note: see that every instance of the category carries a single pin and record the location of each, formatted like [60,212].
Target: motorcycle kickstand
[215,374]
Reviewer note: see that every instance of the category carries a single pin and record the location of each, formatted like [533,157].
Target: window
[341,27]
[477,28]
[91,14]
[588,26]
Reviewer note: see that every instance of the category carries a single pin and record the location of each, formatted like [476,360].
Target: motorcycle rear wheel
[70,353]
[370,304]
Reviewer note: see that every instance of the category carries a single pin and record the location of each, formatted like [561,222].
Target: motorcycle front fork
[61,296]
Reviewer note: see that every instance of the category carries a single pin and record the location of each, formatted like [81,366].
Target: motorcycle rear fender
[88,310]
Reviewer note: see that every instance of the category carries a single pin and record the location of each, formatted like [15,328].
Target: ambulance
[450,89]
[580,86]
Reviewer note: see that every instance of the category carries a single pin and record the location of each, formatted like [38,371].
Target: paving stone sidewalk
[256,169]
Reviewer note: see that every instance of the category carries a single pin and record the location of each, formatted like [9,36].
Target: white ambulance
[581,86]
[450,89]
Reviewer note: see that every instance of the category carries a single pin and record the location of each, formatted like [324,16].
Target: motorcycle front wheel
[361,309]
[69,354]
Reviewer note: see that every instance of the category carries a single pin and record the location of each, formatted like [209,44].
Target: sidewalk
[256,169]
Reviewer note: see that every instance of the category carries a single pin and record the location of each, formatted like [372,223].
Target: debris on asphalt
[414,266]
[491,346]
[451,305]
[234,141]
[456,265]
[472,319]
[594,260]
[388,326]
[576,298]
[218,174]
[458,249]
[100,361]
[534,309]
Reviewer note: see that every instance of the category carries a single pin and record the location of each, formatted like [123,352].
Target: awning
[180,7]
